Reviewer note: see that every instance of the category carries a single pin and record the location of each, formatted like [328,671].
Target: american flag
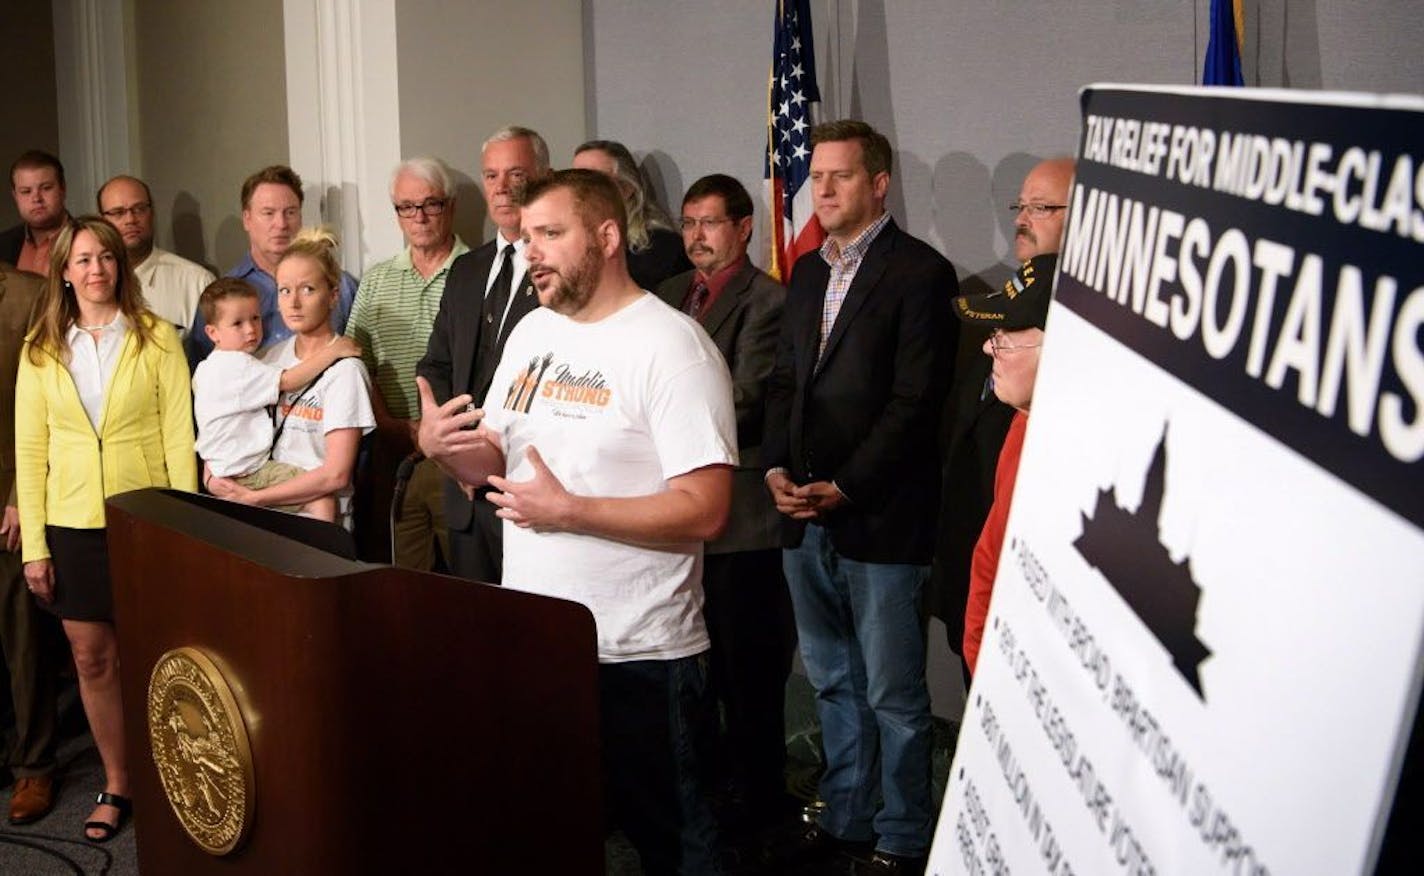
[794,227]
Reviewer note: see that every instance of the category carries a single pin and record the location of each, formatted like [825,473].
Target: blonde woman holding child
[318,424]
[234,392]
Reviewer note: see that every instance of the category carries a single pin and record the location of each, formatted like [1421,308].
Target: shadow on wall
[186,225]
[231,243]
[469,209]
[971,210]
[332,209]
[1287,45]
[666,180]
[870,97]
[962,215]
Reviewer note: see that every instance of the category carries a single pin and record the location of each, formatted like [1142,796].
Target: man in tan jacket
[27,708]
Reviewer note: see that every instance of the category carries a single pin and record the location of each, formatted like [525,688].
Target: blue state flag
[1223,48]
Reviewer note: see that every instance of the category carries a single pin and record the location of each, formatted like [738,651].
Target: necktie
[696,298]
[497,301]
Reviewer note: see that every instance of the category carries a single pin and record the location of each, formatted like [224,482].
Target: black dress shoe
[886,864]
[813,843]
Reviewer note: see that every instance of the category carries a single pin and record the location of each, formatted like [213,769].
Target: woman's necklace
[95,328]
[302,354]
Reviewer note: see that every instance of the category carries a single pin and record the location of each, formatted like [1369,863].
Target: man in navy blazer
[487,293]
[864,360]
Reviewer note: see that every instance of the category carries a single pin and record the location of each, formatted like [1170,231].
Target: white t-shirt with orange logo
[616,408]
[339,399]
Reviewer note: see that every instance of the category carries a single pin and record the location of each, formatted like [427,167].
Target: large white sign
[1204,647]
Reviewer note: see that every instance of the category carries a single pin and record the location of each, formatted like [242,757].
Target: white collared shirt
[171,287]
[521,265]
[92,362]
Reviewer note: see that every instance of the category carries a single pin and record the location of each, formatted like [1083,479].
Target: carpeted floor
[803,754]
[54,846]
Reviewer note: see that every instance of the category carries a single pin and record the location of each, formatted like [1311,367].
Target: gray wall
[31,121]
[210,105]
[469,68]
[971,95]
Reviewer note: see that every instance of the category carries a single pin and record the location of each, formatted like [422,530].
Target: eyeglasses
[430,207]
[138,211]
[688,223]
[1037,211]
[999,343]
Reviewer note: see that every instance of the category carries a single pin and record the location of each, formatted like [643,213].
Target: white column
[343,120]
[91,87]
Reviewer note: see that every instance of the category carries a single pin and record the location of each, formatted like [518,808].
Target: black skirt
[81,574]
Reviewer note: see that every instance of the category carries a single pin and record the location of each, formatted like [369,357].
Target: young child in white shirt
[233,390]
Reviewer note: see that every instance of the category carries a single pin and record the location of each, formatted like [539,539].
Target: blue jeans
[864,649]
[651,712]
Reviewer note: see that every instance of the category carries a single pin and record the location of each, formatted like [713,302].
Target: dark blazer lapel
[525,301]
[729,300]
[466,335]
[872,268]
[810,322]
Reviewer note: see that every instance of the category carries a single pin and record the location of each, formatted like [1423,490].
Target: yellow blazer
[64,471]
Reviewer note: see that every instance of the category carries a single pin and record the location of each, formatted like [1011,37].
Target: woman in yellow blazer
[102,406]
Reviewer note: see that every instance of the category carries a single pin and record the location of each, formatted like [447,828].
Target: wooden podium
[397,721]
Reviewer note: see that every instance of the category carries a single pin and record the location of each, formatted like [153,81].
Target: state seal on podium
[200,747]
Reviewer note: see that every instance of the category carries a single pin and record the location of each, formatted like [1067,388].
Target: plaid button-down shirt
[844,262]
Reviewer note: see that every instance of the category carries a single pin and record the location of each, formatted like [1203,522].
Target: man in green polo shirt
[391,320]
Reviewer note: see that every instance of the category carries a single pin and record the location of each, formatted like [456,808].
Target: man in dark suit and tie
[865,356]
[487,292]
[747,607]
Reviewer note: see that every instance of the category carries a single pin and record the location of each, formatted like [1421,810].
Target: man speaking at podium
[608,436]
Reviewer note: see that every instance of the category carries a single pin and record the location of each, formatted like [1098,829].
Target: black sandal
[125,807]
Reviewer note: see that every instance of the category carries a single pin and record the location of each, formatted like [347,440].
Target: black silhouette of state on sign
[1127,550]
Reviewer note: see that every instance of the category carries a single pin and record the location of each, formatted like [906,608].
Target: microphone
[403,473]
[407,466]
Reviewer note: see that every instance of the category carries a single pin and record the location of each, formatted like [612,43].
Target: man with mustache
[975,420]
[487,292]
[607,493]
[271,215]
[1041,208]
[748,607]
